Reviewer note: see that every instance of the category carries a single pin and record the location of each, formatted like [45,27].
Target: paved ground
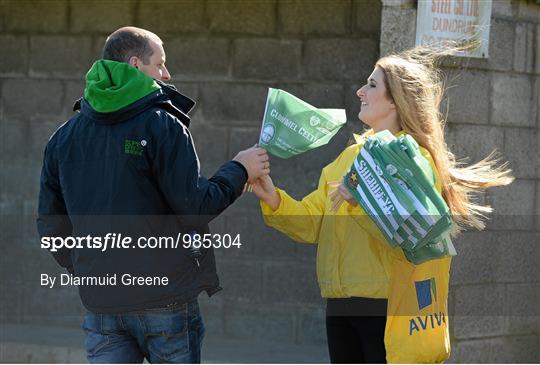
[41,344]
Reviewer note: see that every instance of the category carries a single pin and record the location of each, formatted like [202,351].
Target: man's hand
[255,160]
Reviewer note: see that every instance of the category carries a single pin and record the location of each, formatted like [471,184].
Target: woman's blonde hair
[416,87]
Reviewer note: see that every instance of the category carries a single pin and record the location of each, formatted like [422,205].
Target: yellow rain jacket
[353,259]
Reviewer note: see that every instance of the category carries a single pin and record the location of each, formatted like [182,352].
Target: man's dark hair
[127,42]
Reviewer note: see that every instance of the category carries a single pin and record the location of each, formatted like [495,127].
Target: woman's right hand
[265,190]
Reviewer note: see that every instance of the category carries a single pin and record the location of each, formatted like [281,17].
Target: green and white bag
[291,126]
[394,184]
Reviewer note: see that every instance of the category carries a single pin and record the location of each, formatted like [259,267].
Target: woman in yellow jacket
[354,262]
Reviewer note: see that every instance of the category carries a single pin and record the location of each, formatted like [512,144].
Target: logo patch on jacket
[424,291]
[132,147]
[426,294]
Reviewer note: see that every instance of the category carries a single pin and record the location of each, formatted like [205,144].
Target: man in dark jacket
[125,168]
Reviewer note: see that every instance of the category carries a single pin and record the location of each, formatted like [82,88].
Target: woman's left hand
[340,195]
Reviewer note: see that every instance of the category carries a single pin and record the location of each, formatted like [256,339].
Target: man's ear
[134,61]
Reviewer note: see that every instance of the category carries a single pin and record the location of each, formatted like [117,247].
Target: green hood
[112,85]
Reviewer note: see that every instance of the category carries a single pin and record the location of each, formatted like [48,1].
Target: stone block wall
[224,54]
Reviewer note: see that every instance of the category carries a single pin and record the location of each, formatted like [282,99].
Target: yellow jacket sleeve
[300,220]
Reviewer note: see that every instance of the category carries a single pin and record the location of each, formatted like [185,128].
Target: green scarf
[111,85]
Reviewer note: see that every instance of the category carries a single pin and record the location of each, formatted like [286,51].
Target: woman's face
[376,110]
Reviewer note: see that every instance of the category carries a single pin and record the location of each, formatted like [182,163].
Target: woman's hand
[346,195]
[265,190]
[339,195]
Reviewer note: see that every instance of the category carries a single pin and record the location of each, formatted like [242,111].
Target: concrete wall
[493,104]
[224,54]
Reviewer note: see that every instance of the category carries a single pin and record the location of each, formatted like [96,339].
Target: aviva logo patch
[132,147]
[433,321]
[426,292]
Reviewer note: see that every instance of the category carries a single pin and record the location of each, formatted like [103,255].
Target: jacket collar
[360,139]
[167,98]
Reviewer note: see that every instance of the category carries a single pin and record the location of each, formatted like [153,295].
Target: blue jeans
[172,334]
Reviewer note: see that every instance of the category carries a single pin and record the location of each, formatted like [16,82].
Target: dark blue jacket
[134,171]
